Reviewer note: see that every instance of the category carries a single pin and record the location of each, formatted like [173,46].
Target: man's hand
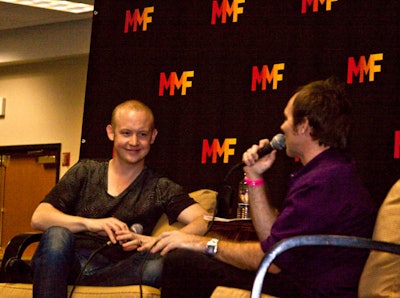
[256,166]
[168,241]
[130,240]
[106,227]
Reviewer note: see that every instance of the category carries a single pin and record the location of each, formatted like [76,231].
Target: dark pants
[192,274]
[57,263]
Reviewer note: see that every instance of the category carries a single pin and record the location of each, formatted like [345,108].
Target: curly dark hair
[325,105]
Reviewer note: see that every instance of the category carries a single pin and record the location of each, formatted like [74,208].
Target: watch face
[212,247]
[209,250]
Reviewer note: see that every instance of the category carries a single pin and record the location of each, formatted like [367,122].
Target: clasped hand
[119,233]
[256,166]
[130,240]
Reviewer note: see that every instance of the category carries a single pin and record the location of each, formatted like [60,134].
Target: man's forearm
[198,226]
[46,216]
[262,213]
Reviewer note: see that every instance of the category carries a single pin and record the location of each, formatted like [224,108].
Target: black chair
[316,240]
[13,267]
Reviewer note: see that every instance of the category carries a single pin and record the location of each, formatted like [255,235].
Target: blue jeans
[57,263]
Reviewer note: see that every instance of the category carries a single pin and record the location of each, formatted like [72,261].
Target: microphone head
[278,142]
[137,228]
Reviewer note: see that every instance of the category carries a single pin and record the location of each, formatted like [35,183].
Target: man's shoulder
[91,164]
[331,163]
[160,179]
[87,167]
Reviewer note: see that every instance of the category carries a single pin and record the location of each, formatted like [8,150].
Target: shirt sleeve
[174,198]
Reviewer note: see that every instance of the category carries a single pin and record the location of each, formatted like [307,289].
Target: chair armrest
[14,251]
[316,240]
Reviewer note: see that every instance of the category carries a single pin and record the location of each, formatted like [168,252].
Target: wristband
[254,183]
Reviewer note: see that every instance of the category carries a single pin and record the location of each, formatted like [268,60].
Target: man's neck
[120,175]
[312,151]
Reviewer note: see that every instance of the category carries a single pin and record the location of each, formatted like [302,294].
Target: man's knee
[57,238]
[152,270]
[56,242]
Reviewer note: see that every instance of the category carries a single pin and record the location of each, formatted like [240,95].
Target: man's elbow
[36,222]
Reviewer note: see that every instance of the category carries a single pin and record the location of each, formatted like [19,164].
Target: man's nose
[134,140]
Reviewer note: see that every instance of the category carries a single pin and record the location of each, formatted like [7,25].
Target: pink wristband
[254,183]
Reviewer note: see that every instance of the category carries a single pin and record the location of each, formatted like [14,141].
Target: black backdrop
[216,55]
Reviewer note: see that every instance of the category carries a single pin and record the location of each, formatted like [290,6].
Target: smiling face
[133,133]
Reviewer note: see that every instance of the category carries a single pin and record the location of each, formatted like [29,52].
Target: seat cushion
[381,275]
[11,290]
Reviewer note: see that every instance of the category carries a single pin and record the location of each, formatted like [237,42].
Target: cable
[94,253]
[84,267]
[141,269]
[231,170]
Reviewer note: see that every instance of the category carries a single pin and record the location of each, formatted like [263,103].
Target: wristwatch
[212,247]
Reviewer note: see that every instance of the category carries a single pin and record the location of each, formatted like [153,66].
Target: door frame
[29,151]
[35,150]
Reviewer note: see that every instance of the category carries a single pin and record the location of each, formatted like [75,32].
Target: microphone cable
[141,268]
[92,255]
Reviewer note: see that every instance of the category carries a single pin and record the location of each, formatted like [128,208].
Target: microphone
[136,228]
[278,142]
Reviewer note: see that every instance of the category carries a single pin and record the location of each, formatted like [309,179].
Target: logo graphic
[264,76]
[135,19]
[226,10]
[397,144]
[173,82]
[314,3]
[215,149]
[363,67]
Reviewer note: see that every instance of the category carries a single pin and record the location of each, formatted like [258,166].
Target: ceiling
[13,16]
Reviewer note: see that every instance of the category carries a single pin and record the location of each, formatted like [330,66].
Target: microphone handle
[267,149]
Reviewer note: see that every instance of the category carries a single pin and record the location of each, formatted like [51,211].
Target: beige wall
[44,103]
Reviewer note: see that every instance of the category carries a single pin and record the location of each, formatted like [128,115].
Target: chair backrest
[381,275]
[207,199]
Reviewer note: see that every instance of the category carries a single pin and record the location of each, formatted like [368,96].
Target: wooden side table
[240,230]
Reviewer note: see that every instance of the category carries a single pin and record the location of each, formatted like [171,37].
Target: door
[28,174]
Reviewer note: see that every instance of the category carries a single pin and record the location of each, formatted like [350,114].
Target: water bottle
[243,203]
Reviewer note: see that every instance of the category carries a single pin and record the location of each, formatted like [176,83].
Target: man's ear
[304,127]
[110,132]
[153,135]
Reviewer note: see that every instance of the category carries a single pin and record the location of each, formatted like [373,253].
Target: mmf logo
[397,144]
[264,76]
[315,4]
[135,19]
[173,82]
[363,67]
[226,10]
[215,149]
